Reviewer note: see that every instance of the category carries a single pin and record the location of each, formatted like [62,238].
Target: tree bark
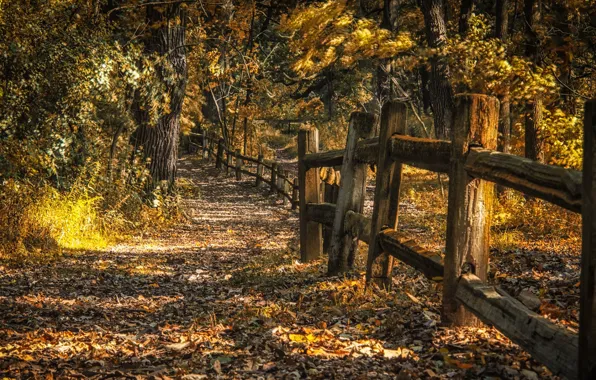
[502,21]
[159,140]
[501,32]
[533,143]
[385,68]
[440,89]
[467,6]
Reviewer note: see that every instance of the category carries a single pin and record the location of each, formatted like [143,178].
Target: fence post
[308,180]
[351,191]
[476,122]
[259,179]
[280,182]
[205,146]
[328,197]
[284,188]
[295,194]
[238,165]
[379,264]
[228,161]
[273,188]
[210,154]
[220,148]
[587,311]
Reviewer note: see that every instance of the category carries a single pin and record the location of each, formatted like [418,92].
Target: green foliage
[329,34]
[481,64]
[67,88]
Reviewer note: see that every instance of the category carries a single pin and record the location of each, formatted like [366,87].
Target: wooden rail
[278,181]
[554,184]
[474,167]
[331,218]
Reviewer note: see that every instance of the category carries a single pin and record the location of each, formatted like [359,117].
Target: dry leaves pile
[224,297]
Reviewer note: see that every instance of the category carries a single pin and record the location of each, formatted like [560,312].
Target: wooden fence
[266,172]
[474,167]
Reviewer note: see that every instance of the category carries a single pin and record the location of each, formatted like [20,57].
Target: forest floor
[224,296]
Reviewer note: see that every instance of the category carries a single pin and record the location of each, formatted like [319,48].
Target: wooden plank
[379,264]
[366,151]
[342,247]
[355,223]
[409,252]
[311,244]
[327,198]
[392,242]
[210,147]
[551,344]
[554,184]
[587,314]
[470,202]
[229,161]
[358,225]
[282,186]
[238,165]
[259,179]
[220,152]
[295,194]
[273,183]
[205,148]
[421,152]
[322,213]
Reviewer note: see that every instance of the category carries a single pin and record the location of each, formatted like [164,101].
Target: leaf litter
[224,296]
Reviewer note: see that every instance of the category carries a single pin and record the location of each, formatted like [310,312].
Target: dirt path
[224,296]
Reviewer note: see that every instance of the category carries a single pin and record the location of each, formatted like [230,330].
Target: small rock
[529,374]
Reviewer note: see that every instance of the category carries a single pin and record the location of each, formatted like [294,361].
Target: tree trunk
[440,88]
[533,141]
[501,32]
[467,6]
[564,57]
[384,68]
[534,109]
[159,139]
[502,21]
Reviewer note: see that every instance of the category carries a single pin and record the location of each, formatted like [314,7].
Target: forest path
[223,296]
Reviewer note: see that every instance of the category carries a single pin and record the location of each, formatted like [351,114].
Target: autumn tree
[158,136]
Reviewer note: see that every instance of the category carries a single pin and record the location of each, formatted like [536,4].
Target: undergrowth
[518,222]
[38,222]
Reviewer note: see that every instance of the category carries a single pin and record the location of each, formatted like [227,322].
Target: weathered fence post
[308,180]
[273,183]
[476,122]
[295,194]
[379,264]
[342,247]
[205,146]
[283,187]
[328,183]
[220,153]
[210,153]
[228,161]
[280,182]
[587,313]
[238,165]
[259,179]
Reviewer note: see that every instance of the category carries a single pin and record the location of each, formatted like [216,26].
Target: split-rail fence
[331,218]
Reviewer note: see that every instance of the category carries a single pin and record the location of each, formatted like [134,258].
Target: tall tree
[533,143]
[467,6]
[502,33]
[159,138]
[440,89]
[384,69]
